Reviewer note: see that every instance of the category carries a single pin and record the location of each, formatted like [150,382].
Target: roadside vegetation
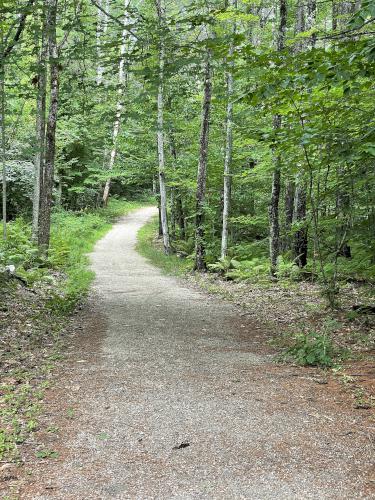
[250,121]
[37,300]
[302,326]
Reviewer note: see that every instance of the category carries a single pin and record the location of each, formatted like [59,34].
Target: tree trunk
[40,130]
[300,202]
[173,190]
[228,146]
[274,208]
[300,237]
[160,132]
[3,145]
[276,177]
[119,106]
[289,207]
[200,264]
[50,148]
[180,216]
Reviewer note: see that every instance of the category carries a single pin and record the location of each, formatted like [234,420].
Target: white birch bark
[101,30]
[119,106]
[228,146]
[3,152]
[160,133]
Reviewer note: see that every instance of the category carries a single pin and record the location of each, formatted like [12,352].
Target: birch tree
[119,105]
[228,143]
[101,30]
[160,129]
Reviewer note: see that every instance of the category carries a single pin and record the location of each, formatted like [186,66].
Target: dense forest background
[251,121]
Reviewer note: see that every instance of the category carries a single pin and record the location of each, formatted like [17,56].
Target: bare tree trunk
[276,177]
[119,106]
[300,237]
[3,146]
[228,147]
[160,132]
[180,216]
[40,130]
[200,264]
[173,190]
[289,208]
[50,148]
[300,202]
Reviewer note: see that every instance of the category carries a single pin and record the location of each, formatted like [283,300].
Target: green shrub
[223,265]
[287,269]
[312,349]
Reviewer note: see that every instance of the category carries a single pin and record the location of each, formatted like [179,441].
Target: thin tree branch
[114,18]
[19,31]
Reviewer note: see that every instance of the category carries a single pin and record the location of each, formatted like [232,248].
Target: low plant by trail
[35,313]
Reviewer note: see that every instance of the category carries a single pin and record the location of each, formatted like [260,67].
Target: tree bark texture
[228,147]
[50,147]
[276,177]
[119,105]
[200,264]
[160,132]
[40,130]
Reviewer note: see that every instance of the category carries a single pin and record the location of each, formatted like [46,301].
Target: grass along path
[171,392]
[35,319]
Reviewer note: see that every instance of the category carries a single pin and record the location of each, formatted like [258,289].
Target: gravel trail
[173,396]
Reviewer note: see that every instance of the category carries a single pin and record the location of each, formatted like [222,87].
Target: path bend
[159,364]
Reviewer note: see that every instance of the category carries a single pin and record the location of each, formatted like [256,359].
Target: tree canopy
[271,100]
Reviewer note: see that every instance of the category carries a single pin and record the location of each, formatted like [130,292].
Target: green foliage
[73,237]
[287,269]
[223,265]
[146,246]
[46,454]
[312,349]
[18,250]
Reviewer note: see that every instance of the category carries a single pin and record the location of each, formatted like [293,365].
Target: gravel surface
[173,396]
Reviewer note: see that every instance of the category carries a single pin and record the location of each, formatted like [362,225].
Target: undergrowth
[65,268]
[149,248]
[315,347]
[34,315]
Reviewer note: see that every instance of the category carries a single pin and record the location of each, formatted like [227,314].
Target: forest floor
[288,309]
[167,391]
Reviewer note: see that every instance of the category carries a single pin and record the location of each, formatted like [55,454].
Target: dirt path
[158,365]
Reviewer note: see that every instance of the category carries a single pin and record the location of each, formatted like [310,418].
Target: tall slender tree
[119,106]
[40,125]
[50,146]
[3,136]
[276,176]
[200,264]
[228,142]
[160,129]
[305,22]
